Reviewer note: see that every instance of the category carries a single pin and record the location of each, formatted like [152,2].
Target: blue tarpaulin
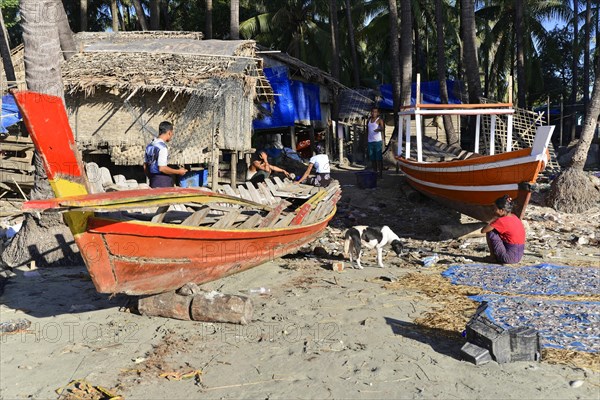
[295,101]
[10,112]
[430,92]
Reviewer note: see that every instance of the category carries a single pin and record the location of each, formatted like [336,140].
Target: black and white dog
[373,237]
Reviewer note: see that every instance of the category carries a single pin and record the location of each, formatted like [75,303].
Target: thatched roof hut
[120,86]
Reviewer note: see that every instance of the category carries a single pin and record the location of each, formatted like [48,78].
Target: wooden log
[168,305]
[218,307]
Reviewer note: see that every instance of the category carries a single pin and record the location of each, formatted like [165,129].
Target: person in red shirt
[505,234]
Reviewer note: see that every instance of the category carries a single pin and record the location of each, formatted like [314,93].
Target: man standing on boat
[376,138]
[155,158]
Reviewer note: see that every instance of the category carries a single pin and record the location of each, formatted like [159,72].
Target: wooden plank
[267,193]
[196,217]
[278,182]
[272,216]
[251,222]
[244,194]
[160,214]
[228,190]
[254,193]
[227,220]
[285,221]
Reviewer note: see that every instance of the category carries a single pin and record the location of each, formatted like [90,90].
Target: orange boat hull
[471,186]
[139,258]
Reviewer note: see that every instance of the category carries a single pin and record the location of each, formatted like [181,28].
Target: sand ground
[316,334]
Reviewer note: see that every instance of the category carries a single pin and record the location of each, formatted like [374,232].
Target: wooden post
[293,138]
[234,161]
[218,307]
[311,135]
[561,123]
[215,170]
[203,306]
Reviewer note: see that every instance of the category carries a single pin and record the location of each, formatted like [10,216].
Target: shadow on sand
[442,341]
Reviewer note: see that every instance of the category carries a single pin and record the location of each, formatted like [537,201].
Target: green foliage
[10,12]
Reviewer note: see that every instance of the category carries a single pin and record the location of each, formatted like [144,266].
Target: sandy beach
[316,333]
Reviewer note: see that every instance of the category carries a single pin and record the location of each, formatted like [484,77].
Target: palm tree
[83,15]
[208,23]
[234,26]
[114,13]
[573,191]
[469,33]
[355,65]
[452,136]
[43,238]
[155,15]
[141,16]
[335,38]
[575,66]
[406,51]
[586,54]
[521,86]
[395,57]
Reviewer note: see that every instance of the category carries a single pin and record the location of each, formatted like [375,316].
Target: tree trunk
[154,15]
[208,23]
[141,16]
[335,34]
[164,5]
[573,191]
[574,66]
[406,42]
[83,15]
[65,34]
[114,13]
[355,65]
[452,137]
[234,25]
[395,55]
[45,239]
[521,84]
[586,54]
[469,32]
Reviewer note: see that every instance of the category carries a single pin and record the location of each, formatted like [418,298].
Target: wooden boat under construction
[133,243]
[471,185]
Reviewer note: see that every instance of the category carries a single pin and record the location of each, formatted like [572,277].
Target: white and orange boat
[471,185]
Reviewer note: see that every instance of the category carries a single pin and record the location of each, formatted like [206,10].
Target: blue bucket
[194,179]
[366,179]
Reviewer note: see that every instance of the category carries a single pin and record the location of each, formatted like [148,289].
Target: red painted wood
[47,123]
[144,264]
[94,253]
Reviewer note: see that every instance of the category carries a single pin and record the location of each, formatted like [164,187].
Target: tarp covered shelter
[296,101]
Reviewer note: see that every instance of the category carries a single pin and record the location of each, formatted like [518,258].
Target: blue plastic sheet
[10,112]
[430,92]
[561,324]
[283,111]
[295,101]
[542,279]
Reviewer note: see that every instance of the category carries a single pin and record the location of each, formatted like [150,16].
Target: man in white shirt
[156,156]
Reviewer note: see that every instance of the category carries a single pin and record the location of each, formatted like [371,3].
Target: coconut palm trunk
[44,239]
[141,16]
[573,191]
[355,64]
[521,84]
[574,67]
[114,14]
[234,25]
[208,22]
[155,15]
[406,42]
[467,12]
[452,137]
